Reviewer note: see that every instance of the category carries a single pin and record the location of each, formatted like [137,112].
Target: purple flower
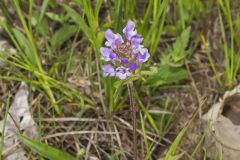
[108,70]
[124,60]
[129,30]
[136,40]
[132,66]
[125,54]
[143,55]
[122,72]
[112,39]
[107,54]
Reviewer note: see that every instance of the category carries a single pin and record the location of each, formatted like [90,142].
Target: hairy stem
[134,110]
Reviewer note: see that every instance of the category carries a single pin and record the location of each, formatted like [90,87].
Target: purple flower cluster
[125,54]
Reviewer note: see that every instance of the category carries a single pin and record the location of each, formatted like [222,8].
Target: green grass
[7,105]
[58,42]
[230,54]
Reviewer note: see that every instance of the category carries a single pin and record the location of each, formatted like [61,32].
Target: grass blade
[45,150]
[172,150]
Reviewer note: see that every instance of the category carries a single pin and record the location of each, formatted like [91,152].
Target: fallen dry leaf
[19,117]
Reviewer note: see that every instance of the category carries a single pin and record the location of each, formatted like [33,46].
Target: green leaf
[178,50]
[45,150]
[146,112]
[172,150]
[147,146]
[62,35]
[25,45]
[166,74]
[76,17]
[118,84]
[129,79]
[54,16]
[117,15]
[100,37]
[40,27]
[97,8]
[43,10]
[78,2]
[153,70]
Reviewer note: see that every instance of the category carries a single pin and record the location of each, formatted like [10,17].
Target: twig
[134,110]
[149,134]
[195,89]
[76,133]
[67,119]
[119,140]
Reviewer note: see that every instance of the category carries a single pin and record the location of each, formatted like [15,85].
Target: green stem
[134,111]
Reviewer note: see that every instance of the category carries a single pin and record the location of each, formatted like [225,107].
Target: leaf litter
[18,120]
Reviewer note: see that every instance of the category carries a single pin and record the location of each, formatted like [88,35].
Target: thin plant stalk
[134,111]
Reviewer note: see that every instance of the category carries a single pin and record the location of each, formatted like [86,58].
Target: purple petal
[109,35]
[124,60]
[129,30]
[118,39]
[113,56]
[107,54]
[136,50]
[136,40]
[130,25]
[112,39]
[143,55]
[122,72]
[108,70]
[105,50]
[132,66]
